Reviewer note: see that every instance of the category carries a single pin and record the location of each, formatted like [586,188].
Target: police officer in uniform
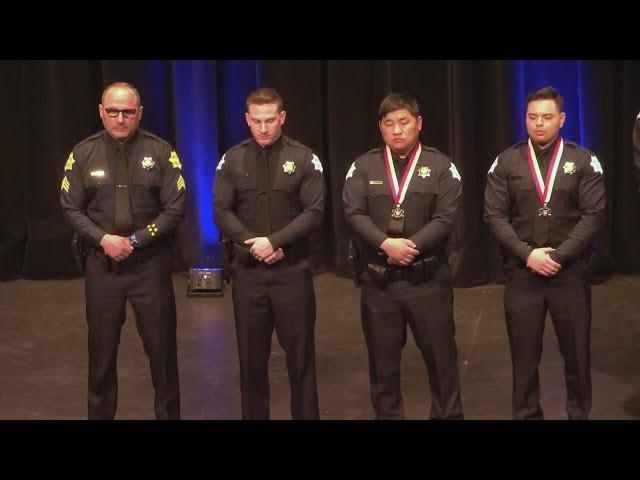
[401,201]
[124,193]
[268,195]
[544,202]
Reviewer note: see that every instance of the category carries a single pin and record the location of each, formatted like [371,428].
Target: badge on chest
[289,167]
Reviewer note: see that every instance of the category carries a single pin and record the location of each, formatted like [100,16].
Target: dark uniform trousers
[428,309]
[527,298]
[280,296]
[147,284]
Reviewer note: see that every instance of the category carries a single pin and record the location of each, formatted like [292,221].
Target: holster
[227,257]
[79,251]
[378,274]
[429,267]
[356,263]
[138,256]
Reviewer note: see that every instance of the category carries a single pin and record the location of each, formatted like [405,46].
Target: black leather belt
[418,272]
[137,256]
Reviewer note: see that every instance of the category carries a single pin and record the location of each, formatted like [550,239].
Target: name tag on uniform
[375,182]
[97,173]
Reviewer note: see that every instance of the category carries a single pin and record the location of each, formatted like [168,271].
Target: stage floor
[43,355]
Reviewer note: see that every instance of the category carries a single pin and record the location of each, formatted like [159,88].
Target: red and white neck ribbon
[398,191]
[545,188]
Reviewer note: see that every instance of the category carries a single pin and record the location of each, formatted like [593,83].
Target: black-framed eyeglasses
[127,113]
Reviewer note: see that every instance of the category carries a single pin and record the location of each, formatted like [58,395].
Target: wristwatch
[133,240]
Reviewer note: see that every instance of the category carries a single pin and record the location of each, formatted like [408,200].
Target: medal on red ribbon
[399,190]
[544,189]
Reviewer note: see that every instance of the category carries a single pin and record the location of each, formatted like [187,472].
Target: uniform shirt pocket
[147,177]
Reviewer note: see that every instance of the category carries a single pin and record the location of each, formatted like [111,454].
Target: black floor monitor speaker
[205,282]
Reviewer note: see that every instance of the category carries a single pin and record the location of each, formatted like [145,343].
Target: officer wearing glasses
[123,191]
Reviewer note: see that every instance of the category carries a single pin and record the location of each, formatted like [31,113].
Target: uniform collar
[274,147]
[113,144]
[397,159]
[543,151]
[396,156]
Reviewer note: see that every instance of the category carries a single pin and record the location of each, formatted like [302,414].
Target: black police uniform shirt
[277,192]
[429,206]
[156,187]
[577,202]
[636,150]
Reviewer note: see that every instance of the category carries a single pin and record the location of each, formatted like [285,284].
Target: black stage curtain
[467,109]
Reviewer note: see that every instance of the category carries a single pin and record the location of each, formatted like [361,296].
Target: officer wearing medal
[400,202]
[268,196]
[545,202]
[123,193]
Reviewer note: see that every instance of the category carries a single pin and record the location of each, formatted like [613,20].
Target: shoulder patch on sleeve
[595,164]
[454,172]
[493,166]
[174,160]
[70,162]
[221,162]
[65,184]
[180,183]
[352,169]
[316,163]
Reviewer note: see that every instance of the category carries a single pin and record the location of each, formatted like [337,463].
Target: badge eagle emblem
[289,167]
[424,172]
[569,167]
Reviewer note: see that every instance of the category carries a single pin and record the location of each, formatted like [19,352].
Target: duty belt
[418,272]
[137,256]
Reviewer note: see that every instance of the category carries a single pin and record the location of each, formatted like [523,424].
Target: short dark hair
[545,93]
[121,85]
[263,96]
[397,101]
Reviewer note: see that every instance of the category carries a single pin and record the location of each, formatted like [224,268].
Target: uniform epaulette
[144,133]
[294,143]
[430,149]
[580,148]
[95,136]
[239,146]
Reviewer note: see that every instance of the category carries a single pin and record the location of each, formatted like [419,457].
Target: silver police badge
[289,167]
[569,167]
[424,172]
[148,163]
